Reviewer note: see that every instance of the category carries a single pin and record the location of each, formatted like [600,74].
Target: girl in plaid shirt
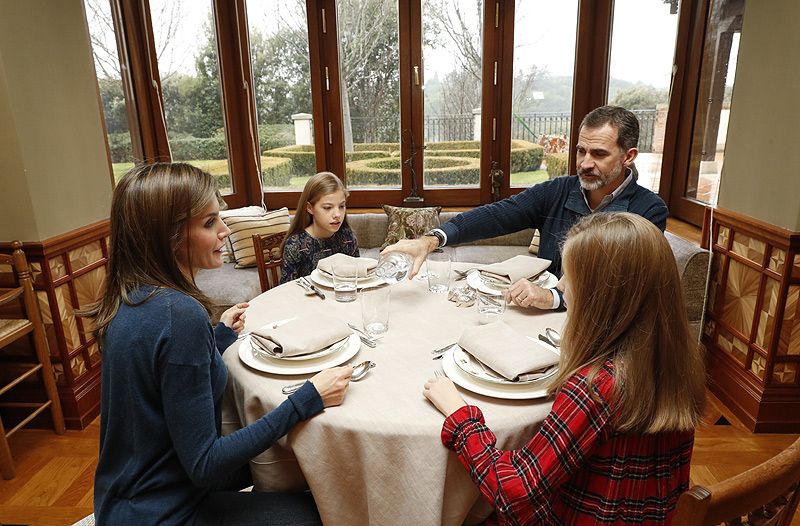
[616,447]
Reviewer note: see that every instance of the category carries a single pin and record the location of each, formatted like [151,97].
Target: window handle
[416,75]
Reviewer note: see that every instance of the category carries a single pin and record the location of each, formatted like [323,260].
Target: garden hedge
[276,171]
[438,171]
[557,164]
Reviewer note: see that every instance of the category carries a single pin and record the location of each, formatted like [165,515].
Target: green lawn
[528,178]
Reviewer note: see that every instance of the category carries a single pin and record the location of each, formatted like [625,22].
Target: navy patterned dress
[302,252]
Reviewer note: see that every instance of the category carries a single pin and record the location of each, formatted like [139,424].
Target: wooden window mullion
[681,115]
[592,63]
[238,103]
[325,86]
[141,80]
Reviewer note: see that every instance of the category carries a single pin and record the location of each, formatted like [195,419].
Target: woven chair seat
[9,326]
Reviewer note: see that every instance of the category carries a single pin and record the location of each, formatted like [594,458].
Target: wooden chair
[22,299]
[268,258]
[766,495]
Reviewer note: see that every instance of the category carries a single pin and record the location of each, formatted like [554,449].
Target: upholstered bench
[227,286]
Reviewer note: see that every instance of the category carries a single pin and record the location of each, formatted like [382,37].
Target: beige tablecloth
[377,458]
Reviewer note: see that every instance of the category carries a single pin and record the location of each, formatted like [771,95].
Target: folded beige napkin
[365,265]
[514,269]
[303,335]
[506,351]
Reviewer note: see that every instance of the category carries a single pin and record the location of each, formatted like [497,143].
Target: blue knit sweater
[552,207]
[160,416]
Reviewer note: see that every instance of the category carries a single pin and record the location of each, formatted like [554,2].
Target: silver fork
[366,339]
[439,373]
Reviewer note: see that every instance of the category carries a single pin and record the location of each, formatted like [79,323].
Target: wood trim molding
[63,242]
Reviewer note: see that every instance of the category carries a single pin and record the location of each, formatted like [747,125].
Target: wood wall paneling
[69,273]
[752,328]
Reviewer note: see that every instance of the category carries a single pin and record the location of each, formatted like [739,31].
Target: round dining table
[378,457]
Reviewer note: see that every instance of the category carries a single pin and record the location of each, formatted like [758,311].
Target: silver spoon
[554,336]
[359,371]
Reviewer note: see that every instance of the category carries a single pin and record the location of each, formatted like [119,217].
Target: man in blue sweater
[604,182]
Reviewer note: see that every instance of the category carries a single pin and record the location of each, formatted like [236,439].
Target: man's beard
[601,180]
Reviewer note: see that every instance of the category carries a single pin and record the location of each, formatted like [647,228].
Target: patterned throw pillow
[227,249]
[534,248]
[409,223]
[243,227]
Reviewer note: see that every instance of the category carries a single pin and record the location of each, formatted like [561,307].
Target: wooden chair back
[20,299]
[765,495]
[268,258]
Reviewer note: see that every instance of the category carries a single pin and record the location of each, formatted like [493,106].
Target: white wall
[761,174]
[54,167]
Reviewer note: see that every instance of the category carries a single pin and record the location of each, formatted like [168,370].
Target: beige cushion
[534,247]
[243,228]
[227,249]
[409,223]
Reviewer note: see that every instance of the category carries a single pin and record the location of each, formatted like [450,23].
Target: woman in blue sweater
[162,457]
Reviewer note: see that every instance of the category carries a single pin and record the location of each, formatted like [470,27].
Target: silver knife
[316,291]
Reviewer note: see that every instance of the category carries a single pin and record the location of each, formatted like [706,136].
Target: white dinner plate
[536,389]
[322,280]
[292,367]
[545,280]
[473,367]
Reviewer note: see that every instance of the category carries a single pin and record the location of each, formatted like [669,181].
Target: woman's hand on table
[234,317]
[416,248]
[331,384]
[443,395]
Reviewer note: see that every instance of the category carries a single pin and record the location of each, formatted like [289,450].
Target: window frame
[142,89]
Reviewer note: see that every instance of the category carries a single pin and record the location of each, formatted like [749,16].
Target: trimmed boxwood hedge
[556,164]
[192,148]
[302,155]
[276,171]
[438,171]
[525,157]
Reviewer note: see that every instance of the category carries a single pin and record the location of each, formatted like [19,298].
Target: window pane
[186,47]
[642,51]
[109,80]
[714,103]
[282,82]
[370,75]
[452,51]
[544,62]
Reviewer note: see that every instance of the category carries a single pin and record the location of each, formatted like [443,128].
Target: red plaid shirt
[576,469]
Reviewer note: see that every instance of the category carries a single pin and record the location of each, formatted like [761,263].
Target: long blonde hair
[149,213]
[626,305]
[317,187]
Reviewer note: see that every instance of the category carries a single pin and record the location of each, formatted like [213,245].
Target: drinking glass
[375,310]
[490,307]
[393,267]
[433,223]
[345,281]
[437,270]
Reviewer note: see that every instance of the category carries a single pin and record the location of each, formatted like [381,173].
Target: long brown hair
[317,187]
[149,213]
[626,305]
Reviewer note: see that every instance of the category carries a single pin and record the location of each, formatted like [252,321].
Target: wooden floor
[54,478]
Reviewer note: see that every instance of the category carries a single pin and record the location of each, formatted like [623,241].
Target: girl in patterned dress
[319,228]
[617,444]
